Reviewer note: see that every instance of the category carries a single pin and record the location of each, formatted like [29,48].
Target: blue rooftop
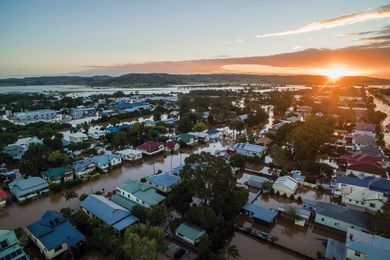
[53,230]
[82,164]
[263,214]
[112,129]
[165,180]
[373,183]
[176,170]
[103,159]
[109,212]
[213,131]
[127,105]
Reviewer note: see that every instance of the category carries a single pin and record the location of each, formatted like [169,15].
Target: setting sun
[335,73]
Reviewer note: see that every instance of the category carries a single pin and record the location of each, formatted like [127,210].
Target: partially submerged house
[150,148]
[31,187]
[58,174]
[10,246]
[105,161]
[54,234]
[163,181]
[141,193]
[83,168]
[190,233]
[99,207]
[285,185]
[260,214]
[129,155]
[250,150]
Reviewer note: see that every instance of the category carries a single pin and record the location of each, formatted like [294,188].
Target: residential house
[82,111]
[342,218]
[250,150]
[83,168]
[170,122]
[35,116]
[25,142]
[187,139]
[365,246]
[132,106]
[301,215]
[141,193]
[264,141]
[364,199]
[171,146]
[203,137]
[366,170]
[214,134]
[285,185]
[105,210]
[95,132]
[130,155]
[105,161]
[149,123]
[31,187]
[58,174]
[243,117]
[260,214]
[365,129]
[54,234]
[77,137]
[163,181]
[256,181]
[150,148]
[10,247]
[190,233]
[111,129]
[4,196]
[14,151]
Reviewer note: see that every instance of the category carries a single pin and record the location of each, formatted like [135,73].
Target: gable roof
[373,246]
[103,159]
[164,179]
[53,230]
[267,215]
[109,212]
[56,172]
[367,168]
[82,164]
[170,144]
[22,187]
[149,146]
[143,191]
[286,181]
[249,147]
[191,231]
[344,214]
[365,127]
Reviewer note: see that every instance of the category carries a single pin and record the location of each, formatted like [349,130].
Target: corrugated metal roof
[191,231]
[164,179]
[263,214]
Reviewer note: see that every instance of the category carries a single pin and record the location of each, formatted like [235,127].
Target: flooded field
[14,216]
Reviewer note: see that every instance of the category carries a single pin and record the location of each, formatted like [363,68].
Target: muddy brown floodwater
[16,215]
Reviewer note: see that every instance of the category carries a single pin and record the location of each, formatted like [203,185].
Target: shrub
[292,197]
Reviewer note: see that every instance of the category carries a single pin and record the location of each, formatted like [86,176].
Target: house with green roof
[187,139]
[58,174]
[141,193]
[10,247]
[190,233]
[14,151]
[31,187]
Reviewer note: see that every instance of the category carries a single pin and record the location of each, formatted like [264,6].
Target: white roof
[78,134]
[128,151]
[286,181]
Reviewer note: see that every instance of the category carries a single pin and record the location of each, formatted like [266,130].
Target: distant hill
[163,79]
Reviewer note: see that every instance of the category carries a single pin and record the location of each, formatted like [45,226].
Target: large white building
[34,116]
[285,185]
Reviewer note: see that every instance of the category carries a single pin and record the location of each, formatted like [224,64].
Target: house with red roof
[362,165]
[171,146]
[150,148]
[4,195]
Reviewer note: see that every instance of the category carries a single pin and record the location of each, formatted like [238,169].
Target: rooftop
[191,231]
[22,187]
[249,147]
[143,191]
[53,230]
[164,179]
[263,214]
[56,172]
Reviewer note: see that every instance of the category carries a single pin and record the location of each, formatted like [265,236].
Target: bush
[277,193]
[54,187]
[292,197]
[284,195]
[83,196]
[299,199]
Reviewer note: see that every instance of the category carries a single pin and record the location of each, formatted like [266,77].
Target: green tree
[237,160]
[69,195]
[83,196]
[157,215]
[140,212]
[266,185]
[382,220]
[58,158]
[34,160]
[202,216]
[180,198]
[185,125]
[278,155]
[200,127]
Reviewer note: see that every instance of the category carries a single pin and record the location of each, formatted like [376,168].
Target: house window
[3,244]
[372,205]
[322,219]
[357,253]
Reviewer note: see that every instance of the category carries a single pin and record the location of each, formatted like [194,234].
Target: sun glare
[336,73]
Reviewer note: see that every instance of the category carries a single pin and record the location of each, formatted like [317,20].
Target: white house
[104,161]
[202,136]
[361,198]
[342,218]
[285,185]
[77,137]
[130,155]
[250,150]
[95,132]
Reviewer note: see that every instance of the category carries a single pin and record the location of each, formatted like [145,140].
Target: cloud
[359,58]
[239,40]
[367,15]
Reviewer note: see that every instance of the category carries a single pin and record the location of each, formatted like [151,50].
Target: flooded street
[14,215]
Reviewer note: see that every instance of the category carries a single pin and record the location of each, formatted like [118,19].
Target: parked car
[179,253]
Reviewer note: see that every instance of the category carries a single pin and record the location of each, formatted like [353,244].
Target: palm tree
[232,251]
[69,195]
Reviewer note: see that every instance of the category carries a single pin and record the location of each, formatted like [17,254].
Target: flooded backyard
[14,215]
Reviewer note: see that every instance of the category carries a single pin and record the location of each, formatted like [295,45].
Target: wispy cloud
[367,15]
